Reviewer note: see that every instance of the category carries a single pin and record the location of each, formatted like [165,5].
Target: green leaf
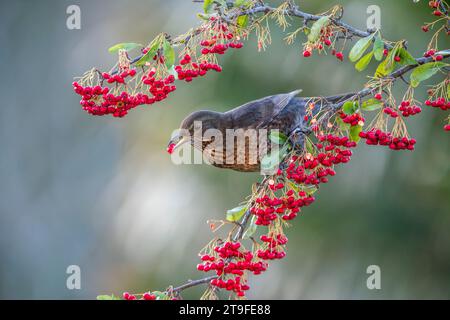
[383,69]
[293,186]
[207,5]
[310,190]
[251,229]
[278,137]
[406,57]
[317,27]
[354,133]
[350,107]
[124,46]
[236,213]
[242,21]
[359,48]
[371,105]
[448,91]
[309,146]
[425,71]
[364,62]
[390,59]
[148,57]
[169,54]
[378,48]
[271,160]
[106,297]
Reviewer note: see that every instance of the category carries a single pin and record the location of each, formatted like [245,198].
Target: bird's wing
[280,102]
[258,113]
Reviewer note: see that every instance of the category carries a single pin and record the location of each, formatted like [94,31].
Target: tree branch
[394,76]
[239,233]
[294,11]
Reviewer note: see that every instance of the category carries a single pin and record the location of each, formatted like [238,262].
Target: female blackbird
[283,112]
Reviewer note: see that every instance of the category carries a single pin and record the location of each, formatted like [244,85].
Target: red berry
[306,53]
[148,296]
[378,96]
[340,56]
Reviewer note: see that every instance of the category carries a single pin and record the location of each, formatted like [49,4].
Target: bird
[283,112]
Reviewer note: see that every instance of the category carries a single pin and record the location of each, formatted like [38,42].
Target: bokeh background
[103,194]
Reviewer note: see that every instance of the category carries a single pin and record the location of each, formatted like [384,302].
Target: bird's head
[196,122]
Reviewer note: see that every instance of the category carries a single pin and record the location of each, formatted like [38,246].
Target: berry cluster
[322,42]
[409,110]
[390,112]
[435,5]
[440,103]
[406,109]
[431,53]
[353,119]
[145,296]
[160,89]
[119,78]
[221,42]
[98,101]
[230,264]
[267,209]
[378,137]
[274,247]
[188,70]
[220,48]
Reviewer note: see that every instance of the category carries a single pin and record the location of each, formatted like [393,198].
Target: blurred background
[103,194]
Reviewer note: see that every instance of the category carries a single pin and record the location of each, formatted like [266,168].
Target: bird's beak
[176,142]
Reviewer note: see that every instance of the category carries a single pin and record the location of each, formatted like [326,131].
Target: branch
[239,233]
[394,76]
[294,11]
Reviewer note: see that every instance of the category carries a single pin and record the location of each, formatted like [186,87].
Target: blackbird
[283,112]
